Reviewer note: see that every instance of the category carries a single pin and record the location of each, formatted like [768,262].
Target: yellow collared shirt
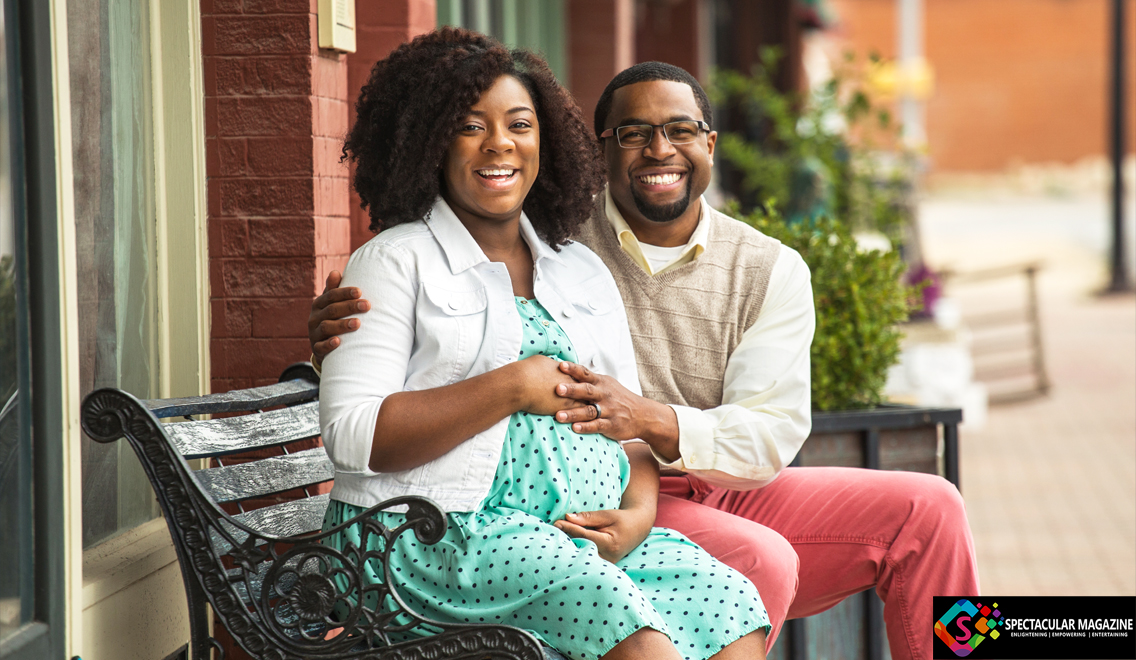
[634,249]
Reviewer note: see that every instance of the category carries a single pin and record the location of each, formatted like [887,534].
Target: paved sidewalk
[1050,484]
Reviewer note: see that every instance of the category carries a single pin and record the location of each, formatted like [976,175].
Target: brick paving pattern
[1050,483]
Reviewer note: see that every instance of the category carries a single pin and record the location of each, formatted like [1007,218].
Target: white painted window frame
[143,558]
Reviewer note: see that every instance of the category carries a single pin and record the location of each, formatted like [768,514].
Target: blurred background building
[171,199]
[1015,83]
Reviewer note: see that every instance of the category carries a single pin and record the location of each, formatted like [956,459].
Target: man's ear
[608,151]
[711,140]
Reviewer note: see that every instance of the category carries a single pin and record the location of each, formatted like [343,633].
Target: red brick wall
[1024,80]
[601,43]
[380,28]
[276,114]
[669,33]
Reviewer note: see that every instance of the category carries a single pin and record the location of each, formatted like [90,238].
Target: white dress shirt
[442,312]
[766,410]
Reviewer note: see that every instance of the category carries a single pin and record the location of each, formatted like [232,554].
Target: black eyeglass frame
[611,132]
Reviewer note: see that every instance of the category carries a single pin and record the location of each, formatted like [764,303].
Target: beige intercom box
[336,20]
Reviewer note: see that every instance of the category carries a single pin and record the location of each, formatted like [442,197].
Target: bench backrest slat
[289,518]
[256,398]
[233,483]
[231,435]
[285,519]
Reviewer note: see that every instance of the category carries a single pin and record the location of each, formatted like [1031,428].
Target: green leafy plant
[816,155]
[859,298]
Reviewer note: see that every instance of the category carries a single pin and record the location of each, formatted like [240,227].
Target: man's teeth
[496,172]
[660,179]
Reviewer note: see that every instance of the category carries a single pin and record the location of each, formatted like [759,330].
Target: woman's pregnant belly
[547,470]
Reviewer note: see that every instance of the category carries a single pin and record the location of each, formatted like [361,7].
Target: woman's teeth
[491,174]
[660,179]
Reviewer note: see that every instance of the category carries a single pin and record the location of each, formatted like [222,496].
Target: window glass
[16,557]
[112,153]
[534,24]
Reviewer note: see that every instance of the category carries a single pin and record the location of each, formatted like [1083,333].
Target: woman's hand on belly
[541,376]
[616,532]
[416,427]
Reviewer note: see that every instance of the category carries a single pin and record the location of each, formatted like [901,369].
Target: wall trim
[68,332]
[111,567]
[178,93]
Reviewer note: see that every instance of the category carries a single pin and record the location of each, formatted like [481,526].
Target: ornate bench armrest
[281,596]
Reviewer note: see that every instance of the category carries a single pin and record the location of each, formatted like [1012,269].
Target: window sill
[110,567]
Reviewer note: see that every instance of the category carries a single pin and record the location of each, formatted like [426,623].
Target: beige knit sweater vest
[686,322]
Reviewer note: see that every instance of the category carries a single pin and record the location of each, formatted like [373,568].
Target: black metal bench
[277,590]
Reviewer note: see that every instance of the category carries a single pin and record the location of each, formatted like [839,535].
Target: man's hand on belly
[624,415]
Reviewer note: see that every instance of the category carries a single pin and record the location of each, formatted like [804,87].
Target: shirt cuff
[695,441]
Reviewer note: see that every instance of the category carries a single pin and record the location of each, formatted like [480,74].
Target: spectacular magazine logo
[1034,627]
[966,625]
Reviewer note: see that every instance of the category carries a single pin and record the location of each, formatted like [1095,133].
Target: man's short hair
[646,72]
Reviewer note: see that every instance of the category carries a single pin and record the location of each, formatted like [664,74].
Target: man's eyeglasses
[637,136]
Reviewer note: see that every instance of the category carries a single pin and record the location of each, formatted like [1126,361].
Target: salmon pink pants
[815,536]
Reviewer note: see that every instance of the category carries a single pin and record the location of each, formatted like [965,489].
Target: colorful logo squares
[960,615]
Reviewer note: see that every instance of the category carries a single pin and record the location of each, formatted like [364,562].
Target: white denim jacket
[441,312]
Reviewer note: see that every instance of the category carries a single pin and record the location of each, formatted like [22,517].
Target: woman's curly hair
[416,101]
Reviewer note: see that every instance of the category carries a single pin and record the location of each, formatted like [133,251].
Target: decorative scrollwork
[104,416]
[248,555]
[313,598]
[427,520]
[303,588]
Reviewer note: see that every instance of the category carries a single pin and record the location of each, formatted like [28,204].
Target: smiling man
[722,318]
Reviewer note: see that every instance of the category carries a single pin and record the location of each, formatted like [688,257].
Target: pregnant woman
[477,166]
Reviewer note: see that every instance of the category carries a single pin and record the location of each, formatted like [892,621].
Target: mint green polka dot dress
[505,563]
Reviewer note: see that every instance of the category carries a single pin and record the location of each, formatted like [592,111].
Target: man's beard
[664,213]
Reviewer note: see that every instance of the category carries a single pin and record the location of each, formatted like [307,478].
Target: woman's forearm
[414,428]
[642,492]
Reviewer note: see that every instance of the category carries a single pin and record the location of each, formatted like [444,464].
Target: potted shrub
[861,299]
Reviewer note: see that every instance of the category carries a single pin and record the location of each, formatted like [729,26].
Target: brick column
[276,113]
[672,32]
[601,43]
[380,26]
